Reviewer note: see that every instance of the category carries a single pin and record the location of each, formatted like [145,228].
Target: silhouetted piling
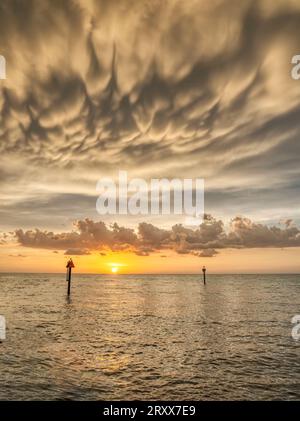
[204,274]
[69,267]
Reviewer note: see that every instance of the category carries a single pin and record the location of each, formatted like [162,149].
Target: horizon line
[152,274]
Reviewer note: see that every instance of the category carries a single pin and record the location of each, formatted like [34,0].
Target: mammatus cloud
[191,88]
[205,241]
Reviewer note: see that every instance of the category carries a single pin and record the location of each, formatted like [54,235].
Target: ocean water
[149,337]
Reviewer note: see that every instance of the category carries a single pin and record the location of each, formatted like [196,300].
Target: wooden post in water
[69,267]
[204,274]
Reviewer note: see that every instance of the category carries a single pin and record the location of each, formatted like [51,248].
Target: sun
[115,267]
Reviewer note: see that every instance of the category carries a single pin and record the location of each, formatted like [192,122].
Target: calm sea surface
[149,337]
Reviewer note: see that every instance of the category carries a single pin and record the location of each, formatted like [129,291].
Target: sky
[160,89]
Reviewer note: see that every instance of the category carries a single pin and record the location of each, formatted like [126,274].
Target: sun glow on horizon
[263,260]
[115,267]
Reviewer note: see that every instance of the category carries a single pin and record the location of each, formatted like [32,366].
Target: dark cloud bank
[205,241]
